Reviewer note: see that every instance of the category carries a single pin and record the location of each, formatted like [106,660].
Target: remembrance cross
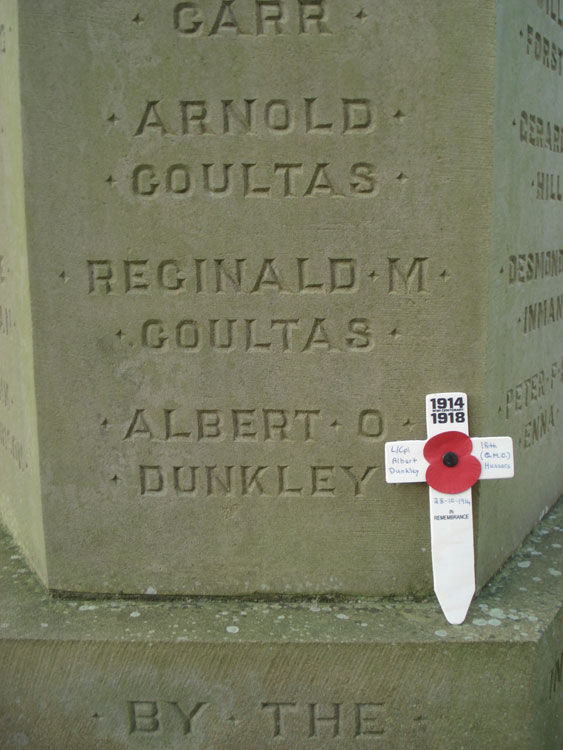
[450,462]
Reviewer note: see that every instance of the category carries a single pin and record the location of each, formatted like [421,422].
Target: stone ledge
[392,673]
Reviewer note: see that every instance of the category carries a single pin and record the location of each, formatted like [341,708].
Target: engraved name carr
[231,19]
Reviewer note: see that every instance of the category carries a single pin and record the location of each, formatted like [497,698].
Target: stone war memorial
[243,245]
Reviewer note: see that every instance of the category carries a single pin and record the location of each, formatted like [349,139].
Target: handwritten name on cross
[450,462]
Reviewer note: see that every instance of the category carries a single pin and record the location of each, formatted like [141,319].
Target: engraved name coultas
[253,335]
[289,179]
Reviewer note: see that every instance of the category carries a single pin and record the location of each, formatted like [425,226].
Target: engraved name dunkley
[282,480]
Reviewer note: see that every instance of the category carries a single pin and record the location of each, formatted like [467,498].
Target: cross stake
[450,463]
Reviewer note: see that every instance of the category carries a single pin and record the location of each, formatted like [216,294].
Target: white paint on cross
[450,462]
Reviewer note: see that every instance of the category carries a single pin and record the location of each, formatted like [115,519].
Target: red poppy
[452,467]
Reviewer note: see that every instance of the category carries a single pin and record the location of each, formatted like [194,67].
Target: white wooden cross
[450,462]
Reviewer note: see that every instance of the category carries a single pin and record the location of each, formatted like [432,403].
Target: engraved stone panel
[258,233]
[524,383]
[20,495]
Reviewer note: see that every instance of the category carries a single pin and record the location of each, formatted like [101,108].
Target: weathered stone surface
[357,165]
[382,673]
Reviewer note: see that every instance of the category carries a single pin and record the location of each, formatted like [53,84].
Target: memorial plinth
[240,242]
